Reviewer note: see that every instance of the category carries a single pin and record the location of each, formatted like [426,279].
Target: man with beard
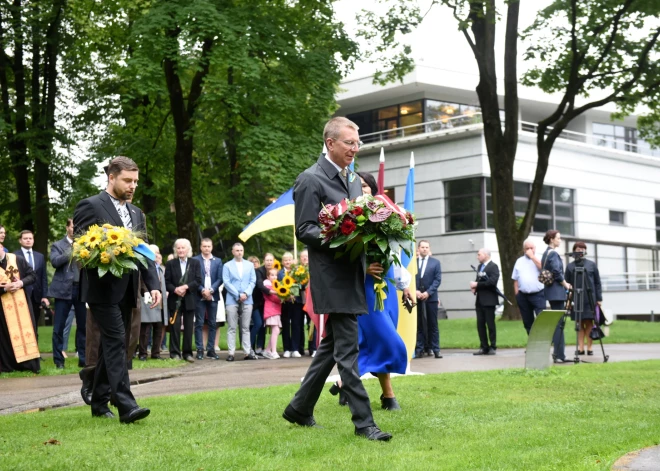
[111,299]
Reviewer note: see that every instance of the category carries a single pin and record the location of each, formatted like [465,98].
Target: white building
[602,184]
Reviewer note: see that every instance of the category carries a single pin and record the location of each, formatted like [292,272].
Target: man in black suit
[183,278]
[428,279]
[35,293]
[64,288]
[337,283]
[111,299]
[485,290]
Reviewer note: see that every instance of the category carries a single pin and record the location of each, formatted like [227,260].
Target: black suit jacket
[337,283]
[486,285]
[193,280]
[431,280]
[109,289]
[38,290]
[260,289]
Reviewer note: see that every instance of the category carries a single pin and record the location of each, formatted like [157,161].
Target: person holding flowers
[109,282]
[272,314]
[382,350]
[339,280]
[292,313]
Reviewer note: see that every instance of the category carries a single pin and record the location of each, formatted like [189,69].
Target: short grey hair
[335,125]
[486,251]
[154,248]
[237,244]
[185,242]
[529,240]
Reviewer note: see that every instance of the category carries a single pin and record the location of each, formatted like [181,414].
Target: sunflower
[277,265]
[114,237]
[276,285]
[283,291]
[93,240]
[288,281]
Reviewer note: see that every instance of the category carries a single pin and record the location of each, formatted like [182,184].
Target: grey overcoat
[158,313]
[337,284]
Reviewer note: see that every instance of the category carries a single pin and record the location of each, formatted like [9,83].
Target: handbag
[596,333]
[546,277]
[220,314]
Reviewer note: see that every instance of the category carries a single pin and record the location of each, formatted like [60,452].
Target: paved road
[23,394]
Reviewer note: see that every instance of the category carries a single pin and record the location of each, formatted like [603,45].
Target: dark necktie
[30,261]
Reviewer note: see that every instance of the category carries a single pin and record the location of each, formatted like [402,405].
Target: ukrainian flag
[278,214]
[407,325]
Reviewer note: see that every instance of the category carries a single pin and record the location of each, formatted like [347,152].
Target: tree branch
[197,81]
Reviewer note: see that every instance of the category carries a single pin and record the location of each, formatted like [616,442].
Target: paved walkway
[40,392]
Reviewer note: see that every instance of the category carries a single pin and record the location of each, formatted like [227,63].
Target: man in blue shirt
[526,284]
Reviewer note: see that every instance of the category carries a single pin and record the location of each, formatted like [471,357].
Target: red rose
[357,211]
[347,226]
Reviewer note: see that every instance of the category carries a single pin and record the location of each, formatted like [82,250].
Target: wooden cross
[11,271]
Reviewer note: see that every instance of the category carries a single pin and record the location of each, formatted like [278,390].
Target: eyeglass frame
[358,143]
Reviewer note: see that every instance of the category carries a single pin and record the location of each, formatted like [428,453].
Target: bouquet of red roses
[373,225]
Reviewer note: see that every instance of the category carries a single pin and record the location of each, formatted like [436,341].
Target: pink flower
[380,215]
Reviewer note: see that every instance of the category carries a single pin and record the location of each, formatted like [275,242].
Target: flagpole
[295,244]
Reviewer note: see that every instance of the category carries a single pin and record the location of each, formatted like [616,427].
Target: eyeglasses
[351,144]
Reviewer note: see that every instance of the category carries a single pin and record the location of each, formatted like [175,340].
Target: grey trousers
[245,311]
[340,347]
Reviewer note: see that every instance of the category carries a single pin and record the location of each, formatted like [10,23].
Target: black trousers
[111,373]
[339,347]
[486,317]
[429,316]
[292,327]
[175,334]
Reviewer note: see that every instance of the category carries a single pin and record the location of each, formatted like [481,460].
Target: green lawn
[579,418]
[462,333]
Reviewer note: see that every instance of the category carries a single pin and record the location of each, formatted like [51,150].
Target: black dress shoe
[86,392]
[251,356]
[373,433]
[336,389]
[389,403]
[200,354]
[580,352]
[157,358]
[481,351]
[143,358]
[59,367]
[297,418]
[134,415]
[561,360]
[590,352]
[189,359]
[437,355]
[175,357]
[491,351]
[212,354]
[81,364]
[230,358]
[106,414]
[419,354]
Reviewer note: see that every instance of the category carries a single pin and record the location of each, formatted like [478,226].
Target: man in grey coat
[337,285]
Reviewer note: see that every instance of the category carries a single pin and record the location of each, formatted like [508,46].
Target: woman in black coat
[592,280]
[555,293]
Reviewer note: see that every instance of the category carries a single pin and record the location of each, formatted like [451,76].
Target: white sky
[437,42]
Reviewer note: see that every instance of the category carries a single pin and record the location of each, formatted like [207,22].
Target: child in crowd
[272,315]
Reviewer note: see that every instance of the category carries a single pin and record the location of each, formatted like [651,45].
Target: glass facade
[657,222]
[621,138]
[465,209]
[411,114]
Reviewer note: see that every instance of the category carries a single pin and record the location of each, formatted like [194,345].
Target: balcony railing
[444,124]
[599,141]
[641,281]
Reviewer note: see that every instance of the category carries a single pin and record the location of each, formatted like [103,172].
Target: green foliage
[273,74]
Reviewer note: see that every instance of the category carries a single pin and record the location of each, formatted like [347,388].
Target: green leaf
[116,270]
[129,264]
[382,244]
[357,249]
[338,242]
[103,270]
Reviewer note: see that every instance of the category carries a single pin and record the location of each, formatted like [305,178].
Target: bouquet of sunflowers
[292,283]
[111,249]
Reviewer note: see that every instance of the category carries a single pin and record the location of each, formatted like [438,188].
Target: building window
[617,218]
[464,209]
[657,222]
[621,138]
[555,209]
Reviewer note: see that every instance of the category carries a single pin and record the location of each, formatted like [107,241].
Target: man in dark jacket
[337,284]
[64,288]
[428,279]
[183,278]
[485,288]
[112,299]
[36,293]
[209,295]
